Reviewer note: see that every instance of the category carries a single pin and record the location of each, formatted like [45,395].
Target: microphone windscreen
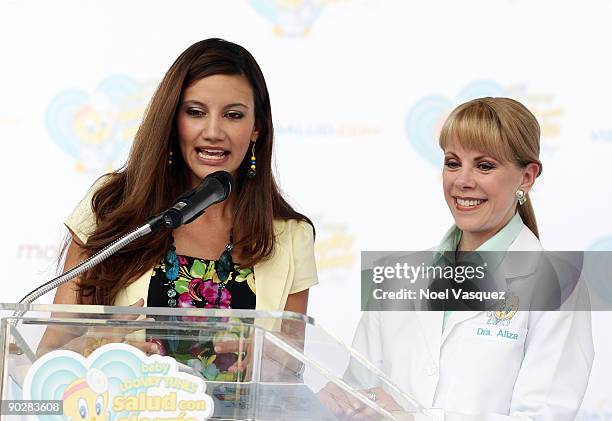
[225,179]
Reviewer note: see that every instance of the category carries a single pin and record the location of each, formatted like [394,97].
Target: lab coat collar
[517,265]
[514,265]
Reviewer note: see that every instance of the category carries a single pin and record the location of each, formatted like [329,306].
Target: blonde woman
[458,361]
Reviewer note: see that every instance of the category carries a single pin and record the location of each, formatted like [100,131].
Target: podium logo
[426,117]
[291,18]
[117,382]
[95,128]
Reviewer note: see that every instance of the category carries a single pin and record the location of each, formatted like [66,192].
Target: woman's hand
[348,407]
[80,339]
[92,339]
[104,335]
[242,348]
[338,401]
[279,364]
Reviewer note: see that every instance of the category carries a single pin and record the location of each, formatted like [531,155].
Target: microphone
[215,188]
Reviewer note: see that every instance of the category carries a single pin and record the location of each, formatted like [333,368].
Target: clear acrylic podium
[283,366]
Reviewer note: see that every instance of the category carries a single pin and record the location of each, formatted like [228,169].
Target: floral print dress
[184,281]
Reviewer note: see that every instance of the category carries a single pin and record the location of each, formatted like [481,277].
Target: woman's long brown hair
[147,184]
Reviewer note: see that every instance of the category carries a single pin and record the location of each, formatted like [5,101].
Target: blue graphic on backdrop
[290,17]
[602,244]
[595,267]
[95,128]
[601,135]
[425,118]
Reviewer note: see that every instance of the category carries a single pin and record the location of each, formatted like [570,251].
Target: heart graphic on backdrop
[425,118]
[100,386]
[95,128]
[597,268]
[290,17]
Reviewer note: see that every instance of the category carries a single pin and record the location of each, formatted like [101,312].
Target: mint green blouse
[499,242]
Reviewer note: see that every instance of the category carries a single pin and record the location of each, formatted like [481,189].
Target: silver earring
[521,197]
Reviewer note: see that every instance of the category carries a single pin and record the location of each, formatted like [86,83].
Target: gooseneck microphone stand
[215,188]
[153,225]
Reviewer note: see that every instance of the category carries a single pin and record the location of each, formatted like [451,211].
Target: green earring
[225,265]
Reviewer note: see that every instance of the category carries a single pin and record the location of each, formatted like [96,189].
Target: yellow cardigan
[290,269]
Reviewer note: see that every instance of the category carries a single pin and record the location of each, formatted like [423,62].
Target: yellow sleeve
[82,221]
[305,267]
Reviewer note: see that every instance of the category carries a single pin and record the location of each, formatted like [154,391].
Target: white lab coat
[541,375]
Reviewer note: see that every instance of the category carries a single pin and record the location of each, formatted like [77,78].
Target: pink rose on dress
[186,301]
[194,289]
[213,293]
[205,294]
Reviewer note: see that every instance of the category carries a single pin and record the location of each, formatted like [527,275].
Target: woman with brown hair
[253,251]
